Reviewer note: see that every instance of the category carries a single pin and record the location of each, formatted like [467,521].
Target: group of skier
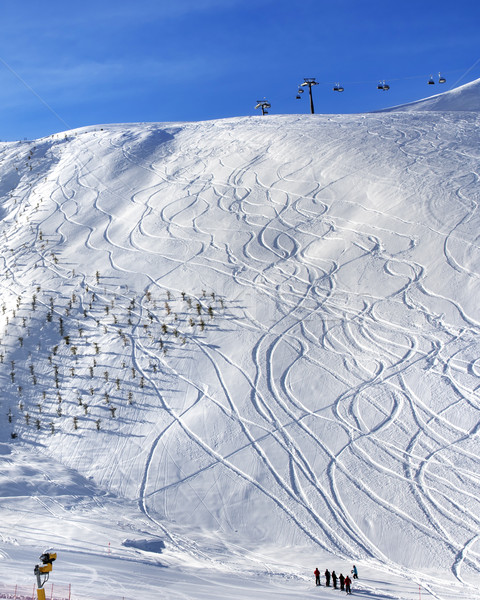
[345,582]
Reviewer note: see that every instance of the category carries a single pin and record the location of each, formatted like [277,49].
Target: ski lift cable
[383,84]
[29,87]
[383,78]
[466,73]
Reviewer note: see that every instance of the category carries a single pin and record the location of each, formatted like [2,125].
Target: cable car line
[29,87]
[464,74]
[441,78]
[382,85]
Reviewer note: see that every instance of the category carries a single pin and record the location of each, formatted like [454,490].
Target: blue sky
[70,64]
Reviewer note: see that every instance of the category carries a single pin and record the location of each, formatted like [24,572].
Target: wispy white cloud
[167,9]
[94,79]
[93,42]
[66,18]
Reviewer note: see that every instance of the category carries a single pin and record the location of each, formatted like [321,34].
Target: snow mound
[463,98]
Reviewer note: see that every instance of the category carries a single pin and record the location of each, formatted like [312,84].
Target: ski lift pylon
[263,104]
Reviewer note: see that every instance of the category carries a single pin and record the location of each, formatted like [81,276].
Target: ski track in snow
[329,414]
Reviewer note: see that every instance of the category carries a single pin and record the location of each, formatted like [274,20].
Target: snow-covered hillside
[241,349]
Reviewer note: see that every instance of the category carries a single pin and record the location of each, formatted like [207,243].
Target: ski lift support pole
[263,104]
[42,572]
[309,81]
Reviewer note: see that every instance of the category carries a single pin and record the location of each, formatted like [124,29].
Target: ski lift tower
[263,104]
[309,81]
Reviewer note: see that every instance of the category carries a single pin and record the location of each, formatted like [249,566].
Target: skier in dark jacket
[334,579]
[317,576]
[342,582]
[327,578]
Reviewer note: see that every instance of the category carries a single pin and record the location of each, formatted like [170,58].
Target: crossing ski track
[329,409]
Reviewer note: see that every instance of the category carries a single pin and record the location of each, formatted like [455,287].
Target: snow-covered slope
[463,98]
[247,345]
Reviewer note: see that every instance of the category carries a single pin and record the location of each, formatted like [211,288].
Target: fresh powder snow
[234,351]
